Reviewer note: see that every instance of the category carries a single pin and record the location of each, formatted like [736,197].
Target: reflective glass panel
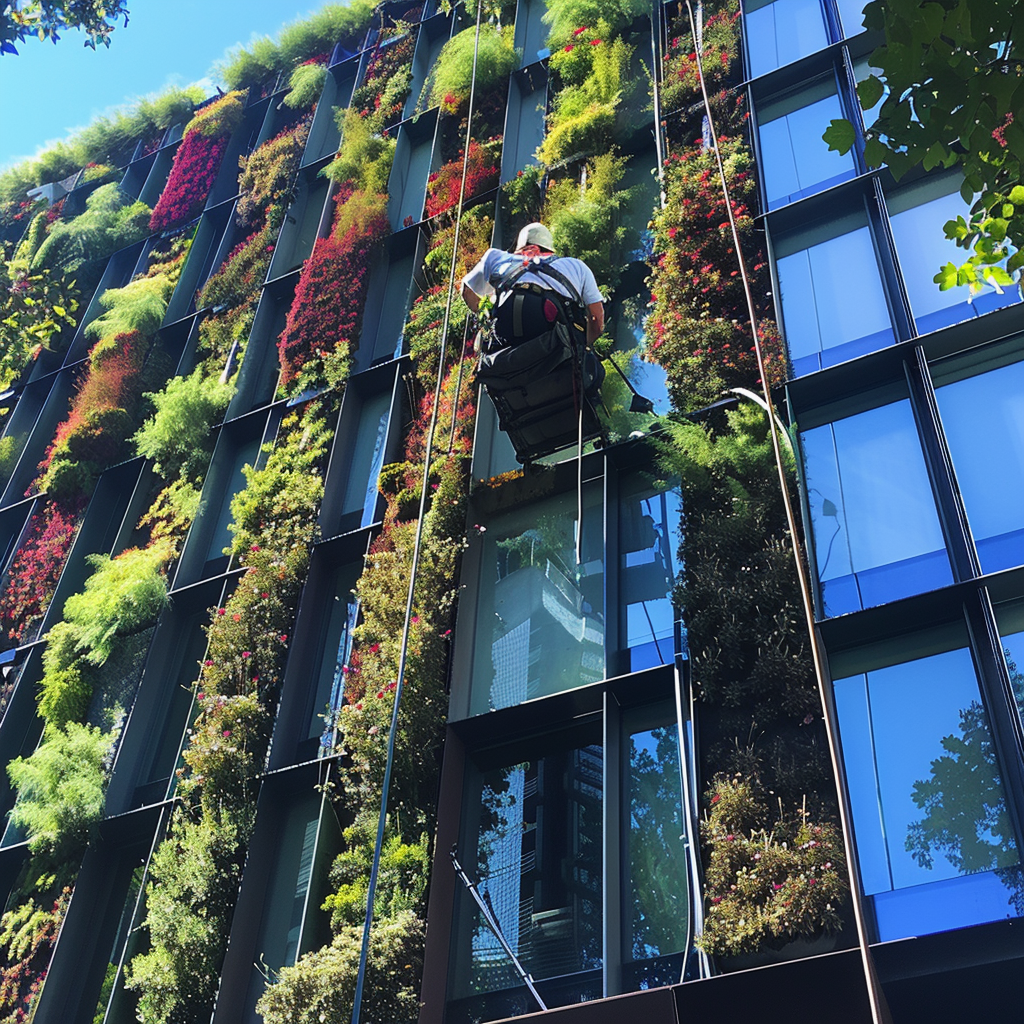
[833,305]
[532,841]
[648,547]
[539,613]
[359,505]
[796,162]
[876,531]
[1013,651]
[983,419]
[658,905]
[928,802]
[917,227]
[851,14]
[782,32]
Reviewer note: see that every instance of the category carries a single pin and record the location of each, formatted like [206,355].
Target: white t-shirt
[498,260]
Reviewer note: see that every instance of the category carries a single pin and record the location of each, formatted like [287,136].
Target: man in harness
[537,360]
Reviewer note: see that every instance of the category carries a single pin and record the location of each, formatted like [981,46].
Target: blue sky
[49,90]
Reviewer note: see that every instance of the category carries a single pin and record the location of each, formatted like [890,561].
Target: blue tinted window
[851,14]
[796,162]
[928,803]
[876,531]
[782,32]
[1013,651]
[918,217]
[983,418]
[833,305]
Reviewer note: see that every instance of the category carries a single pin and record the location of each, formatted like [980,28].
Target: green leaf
[1008,210]
[946,277]
[997,276]
[875,153]
[956,229]
[1017,195]
[997,228]
[935,156]
[931,18]
[870,91]
[840,136]
[60,311]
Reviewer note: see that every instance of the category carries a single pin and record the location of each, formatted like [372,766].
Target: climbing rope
[417,546]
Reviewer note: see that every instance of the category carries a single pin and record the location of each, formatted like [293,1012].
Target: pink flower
[208,663]
[579,31]
[255,547]
[226,733]
[595,42]
[569,47]
[246,654]
[221,611]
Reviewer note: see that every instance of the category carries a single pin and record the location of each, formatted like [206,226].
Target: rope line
[424,491]
[879,1010]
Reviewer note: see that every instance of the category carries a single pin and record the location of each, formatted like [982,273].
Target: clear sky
[49,90]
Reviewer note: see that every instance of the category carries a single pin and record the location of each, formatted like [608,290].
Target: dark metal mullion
[892,277]
[962,552]
[998,698]
[614,832]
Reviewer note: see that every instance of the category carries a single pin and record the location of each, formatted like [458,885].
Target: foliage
[584,218]
[584,116]
[767,881]
[35,568]
[47,19]
[320,987]
[448,84]
[322,328]
[305,85]
[308,37]
[364,159]
[137,307]
[243,271]
[110,222]
[268,176]
[219,117]
[60,790]
[564,16]
[525,194]
[27,936]
[445,184]
[719,51]
[950,75]
[177,437]
[386,81]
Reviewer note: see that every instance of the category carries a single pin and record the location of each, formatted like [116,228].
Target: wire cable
[424,491]
[876,999]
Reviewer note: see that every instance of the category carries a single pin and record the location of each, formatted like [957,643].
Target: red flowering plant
[381,96]
[197,162]
[27,937]
[719,50]
[266,184]
[32,576]
[444,185]
[322,328]
[771,877]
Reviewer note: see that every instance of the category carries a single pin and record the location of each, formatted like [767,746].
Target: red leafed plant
[32,577]
[196,163]
[323,323]
[481,174]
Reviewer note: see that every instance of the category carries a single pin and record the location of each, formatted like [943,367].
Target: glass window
[918,216]
[1013,651]
[359,505]
[983,419]
[648,545]
[851,14]
[861,70]
[781,32]
[539,614]
[833,303]
[532,839]
[934,838]
[796,162]
[876,530]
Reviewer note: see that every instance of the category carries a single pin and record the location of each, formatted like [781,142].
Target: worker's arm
[595,321]
[472,299]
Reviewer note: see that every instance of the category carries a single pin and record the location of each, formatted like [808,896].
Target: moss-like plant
[138,306]
[565,16]
[364,158]
[305,84]
[449,81]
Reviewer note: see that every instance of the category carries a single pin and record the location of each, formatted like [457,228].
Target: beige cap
[535,234]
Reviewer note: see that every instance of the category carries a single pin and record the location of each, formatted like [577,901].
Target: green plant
[449,81]
[138,306]
[266,184]
[364,159]
[769,878]
[305,84]
[177,437]
[60,790]
[47,19]
[565,16]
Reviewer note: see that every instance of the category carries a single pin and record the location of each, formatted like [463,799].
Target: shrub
[719,50]
[444,185]
[364,159]
[381,97]
[564,16]
[267,181]
[60,790]
[305,85]
[243,271]
[221,117]
[178,437]
[449,81]
[769,879]
[138,307]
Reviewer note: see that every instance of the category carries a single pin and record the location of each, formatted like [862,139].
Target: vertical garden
[231,345]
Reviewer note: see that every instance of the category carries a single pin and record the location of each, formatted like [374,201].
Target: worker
[535,314]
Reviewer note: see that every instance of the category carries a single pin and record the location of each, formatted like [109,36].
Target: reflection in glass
[861,70]
[833,305]
[648,544]
[359,506]
[342,615]
[656,924]
[851,14]
[928,802]
[876,531]
[922,246]
[535,845]
[795,159]
[540,616]
[983,419]
[1013,651]
[781,32]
